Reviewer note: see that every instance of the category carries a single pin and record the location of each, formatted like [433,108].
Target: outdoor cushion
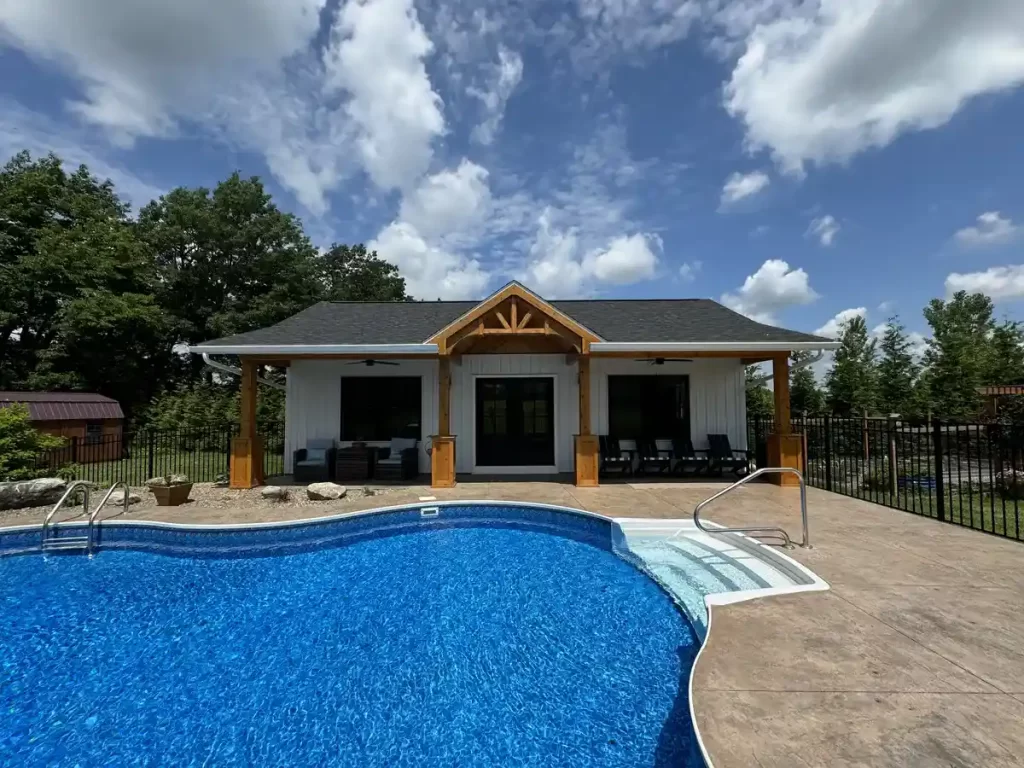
[309,463]
[399,444]
[391,460]
[321,443]
[315,456]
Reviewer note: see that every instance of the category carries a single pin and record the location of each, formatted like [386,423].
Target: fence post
[828,453]
[151,454]
[940,484]
[893,481]
[74,449]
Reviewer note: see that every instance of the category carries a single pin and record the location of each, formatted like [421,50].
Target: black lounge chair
[617,455]
[313,464]
[685,455]
[658,455]
[722,456]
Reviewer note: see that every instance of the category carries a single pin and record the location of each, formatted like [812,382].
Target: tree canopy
[94,299]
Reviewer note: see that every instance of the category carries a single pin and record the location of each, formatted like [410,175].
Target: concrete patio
[914,658]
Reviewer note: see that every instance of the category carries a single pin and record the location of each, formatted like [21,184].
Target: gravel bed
[207,496]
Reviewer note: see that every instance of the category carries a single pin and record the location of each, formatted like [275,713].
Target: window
[93,432]
[648,407]
[380,407]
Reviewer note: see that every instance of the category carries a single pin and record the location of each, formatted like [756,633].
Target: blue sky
[799,160]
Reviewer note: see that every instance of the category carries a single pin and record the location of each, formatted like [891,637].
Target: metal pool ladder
[806,541]
[51,542]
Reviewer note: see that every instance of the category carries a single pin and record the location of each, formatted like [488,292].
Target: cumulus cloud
[740,186]
[508,72]
[992,228]
[249,73]
[821,81]
[559,266]
[996,282]
[824,229]
[773,288]
[689,270]
[834,326]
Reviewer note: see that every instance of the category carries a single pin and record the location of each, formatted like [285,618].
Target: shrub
[21,444]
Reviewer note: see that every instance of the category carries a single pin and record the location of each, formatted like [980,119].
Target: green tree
[805,397]
[1006,354]
[897,370]
[229,260]
[61,235]
[760,401]
[351,273]
[851,384]
[21,444]
[959,353]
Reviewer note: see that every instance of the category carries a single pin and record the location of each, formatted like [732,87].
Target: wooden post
[586,444]
[247,448]
[784,448]
[442,445]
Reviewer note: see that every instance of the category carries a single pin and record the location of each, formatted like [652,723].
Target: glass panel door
[515,425]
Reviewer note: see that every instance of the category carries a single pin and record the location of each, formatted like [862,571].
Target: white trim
[315,349]
[518,470]
[710,346]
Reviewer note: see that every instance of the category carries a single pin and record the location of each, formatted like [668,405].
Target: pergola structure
[516,321]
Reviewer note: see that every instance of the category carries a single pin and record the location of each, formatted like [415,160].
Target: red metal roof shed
[64,406]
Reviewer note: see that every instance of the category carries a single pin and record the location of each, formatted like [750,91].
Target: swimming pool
[487,635]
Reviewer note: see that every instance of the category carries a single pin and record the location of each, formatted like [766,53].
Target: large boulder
[325,491]
[274,493]
[31,493]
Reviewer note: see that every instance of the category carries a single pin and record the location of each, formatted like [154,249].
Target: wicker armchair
[313,463]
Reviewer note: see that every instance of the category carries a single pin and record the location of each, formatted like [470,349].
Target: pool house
[511,385]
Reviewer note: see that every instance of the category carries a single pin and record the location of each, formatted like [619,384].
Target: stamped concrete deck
[914,658]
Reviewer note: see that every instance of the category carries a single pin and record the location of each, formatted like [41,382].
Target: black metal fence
[133,457]
[967,474]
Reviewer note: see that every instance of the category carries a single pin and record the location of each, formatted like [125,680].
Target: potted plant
[170,490]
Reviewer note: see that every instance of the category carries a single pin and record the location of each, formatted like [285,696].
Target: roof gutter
[739,347]
[288,350]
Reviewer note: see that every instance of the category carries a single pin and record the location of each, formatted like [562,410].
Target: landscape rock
[117,499]
[274,492]
[31,493]
[325,491]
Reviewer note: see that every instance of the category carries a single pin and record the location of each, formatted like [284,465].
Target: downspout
[238,372]
[803,364]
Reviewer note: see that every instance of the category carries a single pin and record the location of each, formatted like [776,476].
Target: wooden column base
[786,451]
[587,461]
[246,462]
[442,461]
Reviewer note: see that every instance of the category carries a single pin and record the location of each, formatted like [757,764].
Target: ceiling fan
[369,362]
[663,360]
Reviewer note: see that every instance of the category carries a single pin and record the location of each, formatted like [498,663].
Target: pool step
[66,544]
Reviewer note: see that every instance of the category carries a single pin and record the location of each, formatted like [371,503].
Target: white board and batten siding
[718,402]
[313,402]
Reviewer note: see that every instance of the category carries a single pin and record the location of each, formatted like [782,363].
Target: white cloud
[688,271]
[996,282]
[825,229]
[377,56]
[508,73]
[430,271]
[740,186]
[773,288]
[820,81]
[558,266]
[612,27]
[438,226]
[992,229]
[834,326]
[249,73]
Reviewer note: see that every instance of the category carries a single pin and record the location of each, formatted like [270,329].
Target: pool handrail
[806,540]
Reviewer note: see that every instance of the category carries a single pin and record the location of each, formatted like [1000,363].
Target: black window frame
[655,425]
[93,433]
[372,394]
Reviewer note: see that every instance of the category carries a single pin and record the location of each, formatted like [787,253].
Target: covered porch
[514,387]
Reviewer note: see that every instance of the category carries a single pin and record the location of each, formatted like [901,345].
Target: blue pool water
[465,646]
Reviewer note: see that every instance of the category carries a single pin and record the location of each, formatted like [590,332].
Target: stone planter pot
[171,495]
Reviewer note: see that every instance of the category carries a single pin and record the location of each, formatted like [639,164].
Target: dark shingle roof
[623,320]
[61,406]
